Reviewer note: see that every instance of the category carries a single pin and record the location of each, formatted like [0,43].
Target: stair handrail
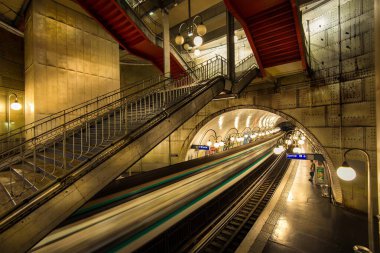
[145,83]
[245,65]
[31,131]
[142,83]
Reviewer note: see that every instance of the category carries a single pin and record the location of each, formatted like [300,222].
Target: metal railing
[55,146]
[18,135]
[245,65]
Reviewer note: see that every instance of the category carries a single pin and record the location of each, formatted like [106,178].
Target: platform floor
[304,221]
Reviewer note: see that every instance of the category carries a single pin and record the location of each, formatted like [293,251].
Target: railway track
[229,229]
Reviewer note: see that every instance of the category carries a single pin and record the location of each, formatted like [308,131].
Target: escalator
[60,162]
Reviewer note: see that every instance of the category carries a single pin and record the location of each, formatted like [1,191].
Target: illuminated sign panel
[200,147]
[298,156]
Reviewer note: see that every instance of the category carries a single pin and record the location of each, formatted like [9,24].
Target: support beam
[377,88]
[230,46]
[166,33]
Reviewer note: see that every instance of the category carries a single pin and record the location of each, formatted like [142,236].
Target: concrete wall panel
[358,114]
[75,60]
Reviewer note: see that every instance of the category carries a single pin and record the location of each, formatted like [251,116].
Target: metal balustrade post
[109,127]
[136,110]
[126,119]
[64,141]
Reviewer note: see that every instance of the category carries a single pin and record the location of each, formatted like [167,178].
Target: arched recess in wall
[335,184]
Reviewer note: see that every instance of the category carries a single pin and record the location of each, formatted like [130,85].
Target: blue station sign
[200,147]
[314,156]
[297,156]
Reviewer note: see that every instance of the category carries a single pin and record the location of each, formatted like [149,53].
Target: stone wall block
[353,137]
[72,96]
[264,100]
[333,118]
[94,55]
[304,97]
[29,43]
[72,55]
[87,53]
[61,45]
[329,137]
[61,13]
[40,39]
[314,117]
[352,91]
[51,45]
[46,8]
[71,18]
[369,88]
[62,90]
[276,98]
[325,95]
[336,156]
[81,87]
[370,138]
[79,48]
[358,114]
[288,99]
[50,102]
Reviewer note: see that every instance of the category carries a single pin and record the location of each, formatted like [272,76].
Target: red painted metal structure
[272,28]
[114,19]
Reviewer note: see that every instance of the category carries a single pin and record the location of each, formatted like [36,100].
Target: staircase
[274,32]
[120,20]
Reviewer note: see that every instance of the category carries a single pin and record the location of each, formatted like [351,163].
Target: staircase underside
[121,26]
[274,33]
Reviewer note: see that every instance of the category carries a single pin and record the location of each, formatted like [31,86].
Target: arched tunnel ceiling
[239,119]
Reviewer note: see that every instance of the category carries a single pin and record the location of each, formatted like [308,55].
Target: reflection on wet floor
[304,221]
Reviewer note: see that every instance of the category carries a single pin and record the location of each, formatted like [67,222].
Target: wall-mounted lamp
[15,105]
[347,173]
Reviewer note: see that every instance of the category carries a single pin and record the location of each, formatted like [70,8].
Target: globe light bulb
[277,150]
[201,29]
[179,39]
[301,142]
[296,150]
[197,41]
[186,46]
[345,172]
[16,105]
[209,143]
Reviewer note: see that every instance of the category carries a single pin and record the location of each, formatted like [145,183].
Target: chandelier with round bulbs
[194,32]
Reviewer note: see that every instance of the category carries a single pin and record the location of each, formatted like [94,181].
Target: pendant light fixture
[192,28]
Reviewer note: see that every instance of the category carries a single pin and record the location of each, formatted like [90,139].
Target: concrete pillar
[377,88]
[69,58]
[230,46]
[166,35]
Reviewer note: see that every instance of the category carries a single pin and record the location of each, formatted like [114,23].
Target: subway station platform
[299,219]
